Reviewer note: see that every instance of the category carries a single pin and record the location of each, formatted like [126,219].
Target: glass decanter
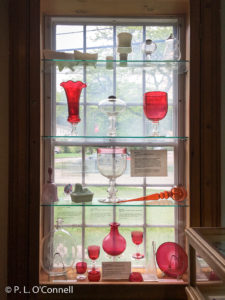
[73,91]
[155,108]
[114,243]
[112,163]
[112,107]
[57,251]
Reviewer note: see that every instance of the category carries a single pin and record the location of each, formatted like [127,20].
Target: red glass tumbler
[81,268]
[137,238]
[73,91]
[155,108]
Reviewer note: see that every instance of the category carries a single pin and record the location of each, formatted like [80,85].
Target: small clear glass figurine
[112,107]
[148,47]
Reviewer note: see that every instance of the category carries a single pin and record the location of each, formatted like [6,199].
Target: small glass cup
[137,238]
[81,268]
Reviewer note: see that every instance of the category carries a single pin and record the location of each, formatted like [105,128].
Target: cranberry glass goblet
[112,163]
[81,268]
[73,91]
[155,108]
[137,238]
[93,253]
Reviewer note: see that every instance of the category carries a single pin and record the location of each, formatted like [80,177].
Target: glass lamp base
[138,256]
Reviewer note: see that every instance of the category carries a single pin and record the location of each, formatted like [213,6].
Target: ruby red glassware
[155,108]
[81,268]
[73,91]
[135,277]
[94,275]
[172,259]
[93,253]
[114,243]
[137,238]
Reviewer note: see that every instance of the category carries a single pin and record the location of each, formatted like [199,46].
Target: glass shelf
[95,202]
[68,66]
[118,139]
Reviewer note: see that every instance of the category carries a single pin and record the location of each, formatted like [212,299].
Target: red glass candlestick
[114,243]
[155,108]
[73,91]
[137,238]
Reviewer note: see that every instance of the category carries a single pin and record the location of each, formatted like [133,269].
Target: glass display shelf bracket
[96,203]
[68,65]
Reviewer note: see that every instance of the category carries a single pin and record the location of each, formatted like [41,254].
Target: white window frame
[178,112]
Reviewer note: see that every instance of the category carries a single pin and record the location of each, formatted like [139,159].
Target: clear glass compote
[112,107]
[112,163]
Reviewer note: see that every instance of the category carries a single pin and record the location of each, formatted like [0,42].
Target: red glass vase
[73,91]
[114,243]
[155,108]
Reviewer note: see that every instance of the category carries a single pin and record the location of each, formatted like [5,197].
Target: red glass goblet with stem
[93,253]
[137,238]
[155,108]
[81,268]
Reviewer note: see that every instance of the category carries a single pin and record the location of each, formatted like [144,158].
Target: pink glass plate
[172,259]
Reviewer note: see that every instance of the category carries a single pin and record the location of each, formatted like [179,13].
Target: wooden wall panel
[24,152]
[118,8]
[210,113]
[205,113]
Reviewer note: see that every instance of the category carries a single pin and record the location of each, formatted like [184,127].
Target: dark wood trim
[195,108]
[19,158]
[205,103]
[24,124]
[210,113]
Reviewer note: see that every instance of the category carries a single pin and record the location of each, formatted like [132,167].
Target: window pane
[68,164]
[69,37]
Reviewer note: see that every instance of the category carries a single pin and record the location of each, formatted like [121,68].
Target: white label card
[148,163]
[118,270]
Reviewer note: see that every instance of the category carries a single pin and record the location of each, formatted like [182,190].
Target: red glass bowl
[135,277]
[94,275]
[172,259]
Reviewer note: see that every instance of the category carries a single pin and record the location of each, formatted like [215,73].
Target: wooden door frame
[24,122]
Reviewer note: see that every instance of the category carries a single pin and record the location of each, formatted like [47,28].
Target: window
[75,159]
